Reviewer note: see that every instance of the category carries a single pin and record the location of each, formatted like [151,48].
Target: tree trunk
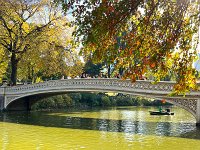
[109,71]
[13,69]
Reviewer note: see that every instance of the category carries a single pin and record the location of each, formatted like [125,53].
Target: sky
[196,64]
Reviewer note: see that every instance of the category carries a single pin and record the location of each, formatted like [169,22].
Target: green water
[122,128]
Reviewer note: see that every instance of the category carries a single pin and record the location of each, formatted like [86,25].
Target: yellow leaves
[138,65]
[169,63]
[26,27]
[186,81]
[74,70]
[55,54]
[38,79]
[3,63]
[38,34]
[176,55]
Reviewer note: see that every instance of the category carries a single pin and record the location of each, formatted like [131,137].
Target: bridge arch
[30,98]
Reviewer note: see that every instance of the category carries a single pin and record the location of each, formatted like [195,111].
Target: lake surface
[120,128]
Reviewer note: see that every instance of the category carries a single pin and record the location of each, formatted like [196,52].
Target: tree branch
[6,26]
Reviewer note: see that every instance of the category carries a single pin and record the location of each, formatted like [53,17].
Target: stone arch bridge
[21,97]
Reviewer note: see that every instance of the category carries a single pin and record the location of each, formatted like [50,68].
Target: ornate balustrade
[113,85]
[104,84]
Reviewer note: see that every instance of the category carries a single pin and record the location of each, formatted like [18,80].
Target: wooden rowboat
[161,113]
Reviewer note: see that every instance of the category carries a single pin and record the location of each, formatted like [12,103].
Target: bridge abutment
[2,102]
[198,113]
[20,105]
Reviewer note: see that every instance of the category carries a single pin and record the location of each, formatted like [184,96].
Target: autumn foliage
[155,38]
[35,40]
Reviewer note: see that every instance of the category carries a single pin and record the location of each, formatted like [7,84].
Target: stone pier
[198,113]
[1,102]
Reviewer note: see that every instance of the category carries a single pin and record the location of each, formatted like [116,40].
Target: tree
[105,101]
[3,63]
[51,58]
[74,66]
[92,69]
[25,26]
[141,36]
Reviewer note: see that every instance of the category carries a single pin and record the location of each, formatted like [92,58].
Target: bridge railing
[140,87]
[112,84]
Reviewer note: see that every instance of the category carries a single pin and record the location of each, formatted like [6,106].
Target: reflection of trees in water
[129,127]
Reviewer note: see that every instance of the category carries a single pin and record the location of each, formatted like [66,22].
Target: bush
[113,101]
[93,100]
[47,103]
[124,101]
[67,101]
[105,101]
[58,101]
[76,97]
